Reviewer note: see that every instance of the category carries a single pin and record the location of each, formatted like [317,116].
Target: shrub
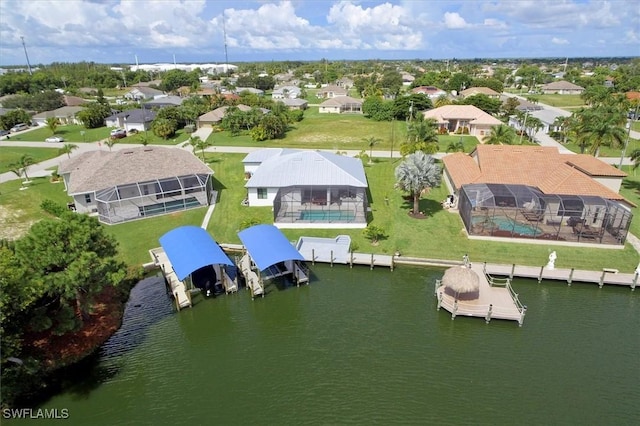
[374,233]
[53,208]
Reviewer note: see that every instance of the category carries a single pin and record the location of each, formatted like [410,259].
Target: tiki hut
[461,283]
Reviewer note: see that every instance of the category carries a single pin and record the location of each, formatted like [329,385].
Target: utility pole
[524,126]
[24,46]
[224,34]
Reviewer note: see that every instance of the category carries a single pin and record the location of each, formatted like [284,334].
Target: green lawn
[74,134]
[635,126]
[11,154]
[440,236]
[606,151]
[560,101]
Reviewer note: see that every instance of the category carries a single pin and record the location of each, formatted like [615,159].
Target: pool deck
[494,301]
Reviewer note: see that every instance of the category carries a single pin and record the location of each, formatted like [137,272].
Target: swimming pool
[506,224]
[327,216]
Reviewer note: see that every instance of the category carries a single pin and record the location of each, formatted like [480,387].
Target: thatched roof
[461,279]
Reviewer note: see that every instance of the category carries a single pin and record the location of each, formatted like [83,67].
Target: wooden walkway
[606,276]
[495,300]
[178,289]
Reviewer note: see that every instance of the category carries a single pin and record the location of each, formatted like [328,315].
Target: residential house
[286,92]
[65,115]
[535,192]
[341,105]
[345,82]
[331,91]
[431,92]
[407,79]
[561,87]
[214,117]
[546,116]
[73,100]
[307,189]
[162,102]
[294,103]
[252,90]
[465,119]
[480,91]
[132,119]
[523,104]
[136,183]
[143,93]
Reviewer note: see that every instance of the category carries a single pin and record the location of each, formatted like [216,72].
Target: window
[87,198]
[262,193]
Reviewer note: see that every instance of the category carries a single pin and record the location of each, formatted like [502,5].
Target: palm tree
[52,123]
[67,148]
[422,135]
[601,126]
[198,144]
[371,141]
[110,142]
[416,175]
[456,146]
[500,135]
[635,157]
[533,125]
[442,100]
[20,167]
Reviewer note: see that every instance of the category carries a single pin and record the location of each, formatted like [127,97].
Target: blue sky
[115,31]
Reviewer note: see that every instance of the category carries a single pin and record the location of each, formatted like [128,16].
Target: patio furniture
[533,216]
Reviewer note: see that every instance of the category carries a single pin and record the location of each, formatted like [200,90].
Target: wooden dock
[606,276]
[177,287]
[496,299]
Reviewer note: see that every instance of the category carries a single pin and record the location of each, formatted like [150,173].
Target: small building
[162,102]
[341,105]
[561,87]
[431,92]
[136,183]
[286,92]
[308,189]
[465,119]
[143,93]
[301,104]
[546,116]
[471,91]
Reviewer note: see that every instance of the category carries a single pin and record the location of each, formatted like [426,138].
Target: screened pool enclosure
[519,211]
[321,204]
[143,199]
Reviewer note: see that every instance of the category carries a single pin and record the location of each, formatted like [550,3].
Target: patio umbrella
[461,282]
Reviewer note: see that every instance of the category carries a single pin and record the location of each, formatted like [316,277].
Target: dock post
[601,283]
[488,317]
[570,277]
[540,276]
[392,260]
[351,259]
[371,261]
[635,280]
[313,256]
[331,261]
[513,269]
[454,310]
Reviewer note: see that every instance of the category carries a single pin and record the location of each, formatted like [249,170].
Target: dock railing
[506,283]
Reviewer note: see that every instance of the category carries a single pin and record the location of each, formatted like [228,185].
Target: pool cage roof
[152,187]
[526,197]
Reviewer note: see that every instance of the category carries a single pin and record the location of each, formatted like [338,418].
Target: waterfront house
[307,189]
[535,192]
[135,183]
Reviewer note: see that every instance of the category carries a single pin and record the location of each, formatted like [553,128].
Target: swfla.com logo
[40,413]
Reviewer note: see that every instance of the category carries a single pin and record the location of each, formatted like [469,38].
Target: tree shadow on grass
[427,206]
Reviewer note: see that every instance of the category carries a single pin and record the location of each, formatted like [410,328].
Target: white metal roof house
[286,92]
[135,183]
[142,93]
[308,189]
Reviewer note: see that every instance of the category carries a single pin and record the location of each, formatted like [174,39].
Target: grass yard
[11,154]
[606,151]
[561,101]
[440,236]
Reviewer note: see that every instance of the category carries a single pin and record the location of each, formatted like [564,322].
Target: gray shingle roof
[96,170]
[307,168]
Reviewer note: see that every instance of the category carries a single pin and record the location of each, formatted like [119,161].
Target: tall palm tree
[197,143]
[500,135]
[52,124]
[417,174]
[22,165]
[68,148]
[635,157]
[601,126]
[371,141]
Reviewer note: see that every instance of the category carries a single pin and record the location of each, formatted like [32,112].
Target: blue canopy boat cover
[190,248]
[267,246]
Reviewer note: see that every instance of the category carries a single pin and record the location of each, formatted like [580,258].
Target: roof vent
[127,152]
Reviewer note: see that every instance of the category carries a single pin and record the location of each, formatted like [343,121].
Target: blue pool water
[506,224]
[327,216]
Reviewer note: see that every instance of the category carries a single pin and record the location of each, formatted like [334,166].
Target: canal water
[361,347]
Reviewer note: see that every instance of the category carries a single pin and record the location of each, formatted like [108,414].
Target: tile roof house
[307,188]
[215,117]
[137,182]
[457,118]
[561,88]
[535,192]
[294,103]
[341,105]
[331,91]
[431,91]
[164,101]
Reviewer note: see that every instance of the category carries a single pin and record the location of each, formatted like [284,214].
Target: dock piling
[570,276]
[513,269]
[371,261]
[488,317]
[540,276]
[313,256]
[331,261]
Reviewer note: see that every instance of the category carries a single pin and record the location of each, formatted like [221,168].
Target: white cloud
[453,20]
[495,24]
[556,40]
